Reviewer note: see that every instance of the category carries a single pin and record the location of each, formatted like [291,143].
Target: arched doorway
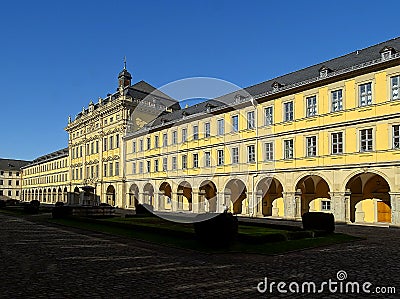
[184,196]
[44,195]
[40,198]
[59,194]
[369,198]
[165,200]
[134,196]
[314,195]
[65,194]
[110,195]
[208,190]
[270,197]
[148,194]
[54,195]
[36,194]
[236,193]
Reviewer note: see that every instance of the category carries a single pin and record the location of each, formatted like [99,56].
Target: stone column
[395,206]
[297,198]
[195,201]
[339,203]
[289,200]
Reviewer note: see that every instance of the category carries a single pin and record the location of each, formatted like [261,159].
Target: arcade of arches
[364,197]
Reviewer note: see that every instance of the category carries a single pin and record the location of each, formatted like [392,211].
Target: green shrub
[218,231]
[59,204]
[2,204]
[319,221]
[32,207]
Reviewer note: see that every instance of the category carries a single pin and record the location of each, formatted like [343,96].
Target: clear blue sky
[57,55]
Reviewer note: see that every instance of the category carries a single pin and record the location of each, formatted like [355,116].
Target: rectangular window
[1,192]
[92,148]
[251,121]
[288,111]
[141,145]
[269,151]
[134,147]
[110,169]
[311,146]
[394,87]
[251,154]
[97,173]
[325,205]
[337,143]
[396,136]
[221,127]
[17,193]
[134,167]
[220,157]
[97,146]
[104,170]
[337,100]
[184,161]
[207,130]
[9,182]
[195,160]
[104,144]
[148,166]
[174,164]
[165,164]
[311,103]
[9,193]
[148,143]
[235,123]
[268,118]
[174,137]
[365,94]
[184,135]
[117,168]
[156,141]
[366,140]
[140,167]
[110,146]
[195,132]
[165,139]
[80,151]
[235,155]
[288,149]
[17,183]
[1,182]
[207,159]
[117,141]
[156,165]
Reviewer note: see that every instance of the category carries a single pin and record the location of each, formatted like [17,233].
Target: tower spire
[124,62]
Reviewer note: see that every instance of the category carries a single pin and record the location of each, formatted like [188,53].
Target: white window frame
[235,155]
[337,100]
[396,136]
[165,164]
[335,142]
[251,153]
[365,94]
[288,152]
[174,137]
[395,89]
[269,151]
[288,111]
[268,115]
[367,144]
[207,130]
[174,162]
[207,159]
[251,120]
[184,135]
[311,146]
[235,123]
[311,106]
[221,126]
[220,157]
[195,132]
[195,160]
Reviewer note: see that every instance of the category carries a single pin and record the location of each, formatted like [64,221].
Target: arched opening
[110,195]
[208,190]
[184,196]
[165,200]
[134,196]
[314,194]
[40,198]
[54,195]
[65,194]
[44,195]
[36,194]
[270,197]
[369,198]
[76,196]
[59,194]
[148,194]
[236,194]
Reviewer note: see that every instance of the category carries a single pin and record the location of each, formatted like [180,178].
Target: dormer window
[387,52]
[323,71]
[276,85]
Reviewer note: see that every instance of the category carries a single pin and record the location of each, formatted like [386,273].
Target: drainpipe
[254,196]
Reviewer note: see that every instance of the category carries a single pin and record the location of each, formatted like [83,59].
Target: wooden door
[384,212]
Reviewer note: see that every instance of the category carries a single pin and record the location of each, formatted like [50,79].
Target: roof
[11,164]
[49,157]
[340,63]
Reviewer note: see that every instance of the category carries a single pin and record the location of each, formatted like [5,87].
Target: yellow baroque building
[325,138]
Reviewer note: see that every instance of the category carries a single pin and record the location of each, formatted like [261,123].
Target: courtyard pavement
[47,261]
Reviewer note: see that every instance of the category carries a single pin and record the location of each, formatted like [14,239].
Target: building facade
[10,178]
[325,138]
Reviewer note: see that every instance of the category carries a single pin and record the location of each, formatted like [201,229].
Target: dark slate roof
[10,164]
[342,62]
[49,157]
[140,90]
[352,59]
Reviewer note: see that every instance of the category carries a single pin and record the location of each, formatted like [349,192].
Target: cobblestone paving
[40,261]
